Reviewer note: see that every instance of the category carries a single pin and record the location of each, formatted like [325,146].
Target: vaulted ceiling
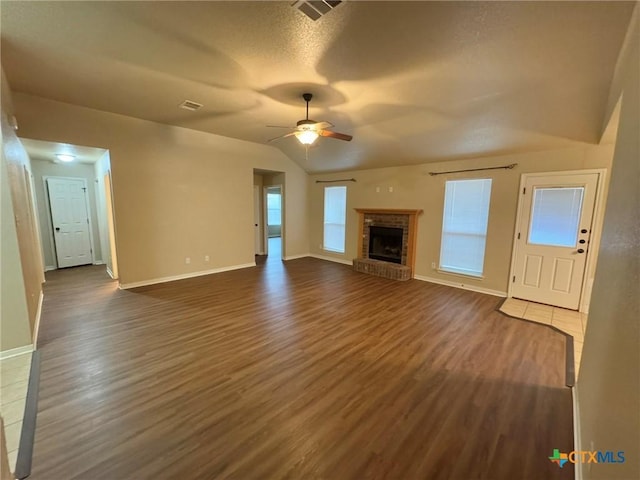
[413,82]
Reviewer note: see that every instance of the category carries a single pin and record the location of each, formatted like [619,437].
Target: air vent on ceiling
[189,105]
[314,9]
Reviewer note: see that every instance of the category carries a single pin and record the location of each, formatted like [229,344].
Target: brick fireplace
[387,242]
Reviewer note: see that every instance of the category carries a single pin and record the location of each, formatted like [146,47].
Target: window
[273,208]
[464,226]
[335,212]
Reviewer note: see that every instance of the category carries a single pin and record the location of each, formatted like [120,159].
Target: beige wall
[14,318]
[45,168]
[177,192]
[414,188]
[608,389]
[21,273]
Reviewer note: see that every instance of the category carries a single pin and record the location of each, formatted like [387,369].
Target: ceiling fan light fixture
[307,131]
[307,137]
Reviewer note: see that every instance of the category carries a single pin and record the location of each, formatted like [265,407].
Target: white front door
[553,238]
[70,221]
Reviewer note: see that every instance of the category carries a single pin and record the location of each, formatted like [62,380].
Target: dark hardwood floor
[303,370]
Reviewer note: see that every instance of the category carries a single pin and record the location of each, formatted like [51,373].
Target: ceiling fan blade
[339,136]
[323,125]
[281,126]
[282,136]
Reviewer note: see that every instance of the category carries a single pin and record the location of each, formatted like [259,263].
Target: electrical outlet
[206,258]
[390,189]
[377,189]
[187,260]
[433,265]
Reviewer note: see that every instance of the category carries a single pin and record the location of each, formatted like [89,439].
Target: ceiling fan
[307,131]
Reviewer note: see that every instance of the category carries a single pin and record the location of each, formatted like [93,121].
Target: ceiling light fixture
[306,137]
[65,157]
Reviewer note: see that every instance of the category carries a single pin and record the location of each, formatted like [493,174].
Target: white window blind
[335,212]
[464,226]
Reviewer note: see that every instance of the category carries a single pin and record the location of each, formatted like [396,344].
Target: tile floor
[14,379]
[569,321]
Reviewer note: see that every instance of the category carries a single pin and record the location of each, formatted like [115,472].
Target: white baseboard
[14,352]
[463,286]
[293,257]
[48,268]
[153,281]
[332,259]
[36,325]
[577,442]
[98,262]
[110,273]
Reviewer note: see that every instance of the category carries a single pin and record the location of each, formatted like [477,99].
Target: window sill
[335,252]
[458,274]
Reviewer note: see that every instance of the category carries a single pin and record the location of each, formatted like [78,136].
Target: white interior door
[70,221]
[257,220]
[553,238]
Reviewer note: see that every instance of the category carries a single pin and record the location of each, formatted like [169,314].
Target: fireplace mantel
[409,220]
[390,211]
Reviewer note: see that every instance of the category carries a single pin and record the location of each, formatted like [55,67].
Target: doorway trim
[596,230]
[113,272]
[50,218]
[257,195]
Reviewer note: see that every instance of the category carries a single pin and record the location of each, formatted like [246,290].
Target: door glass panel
[555,216]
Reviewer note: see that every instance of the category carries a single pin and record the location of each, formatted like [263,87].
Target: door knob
[582,241]
[584,230]
[580,250]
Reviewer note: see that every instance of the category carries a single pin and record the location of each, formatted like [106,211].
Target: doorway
[76,196]
[554,231]
[274,218]
[269,213]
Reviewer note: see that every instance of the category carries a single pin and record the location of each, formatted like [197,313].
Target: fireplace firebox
[385,243]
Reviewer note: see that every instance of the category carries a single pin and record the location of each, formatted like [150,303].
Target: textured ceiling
[413,82]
